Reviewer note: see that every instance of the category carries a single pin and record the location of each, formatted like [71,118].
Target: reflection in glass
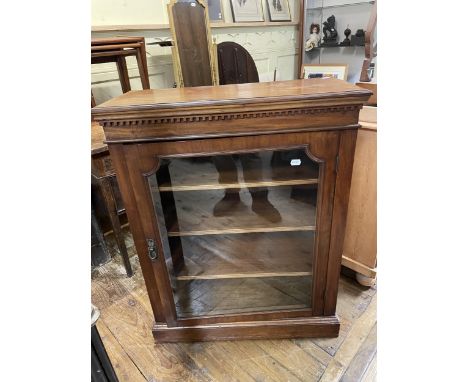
[252,172]
[238,230]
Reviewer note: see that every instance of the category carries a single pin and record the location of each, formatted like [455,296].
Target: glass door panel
[238,230]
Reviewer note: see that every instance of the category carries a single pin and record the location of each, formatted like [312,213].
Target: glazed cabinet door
[237,228]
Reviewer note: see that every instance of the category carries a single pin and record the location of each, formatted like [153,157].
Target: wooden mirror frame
[178,72]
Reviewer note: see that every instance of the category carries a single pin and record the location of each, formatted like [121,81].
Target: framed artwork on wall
[339,71]
[215,10]
[279,10]
[247,10]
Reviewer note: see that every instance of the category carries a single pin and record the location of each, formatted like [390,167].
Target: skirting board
[327,326]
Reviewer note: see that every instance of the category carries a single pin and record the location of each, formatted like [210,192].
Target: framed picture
[339,71]
[279,10]
[215,10]
[247,10]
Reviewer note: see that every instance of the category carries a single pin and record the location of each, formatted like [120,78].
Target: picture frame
[247,10]
[339,71]
[215,11]
[279,10]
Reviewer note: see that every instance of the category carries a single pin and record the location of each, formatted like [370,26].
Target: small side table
[115,49]
[103,172]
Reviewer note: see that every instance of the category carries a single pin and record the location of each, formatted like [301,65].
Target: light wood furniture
[115,49]
[360,244]
[237,200]
[193,52]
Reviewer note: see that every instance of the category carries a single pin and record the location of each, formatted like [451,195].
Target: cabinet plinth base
[326,326]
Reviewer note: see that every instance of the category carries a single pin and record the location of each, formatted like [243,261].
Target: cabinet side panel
[340,210]
[361,230]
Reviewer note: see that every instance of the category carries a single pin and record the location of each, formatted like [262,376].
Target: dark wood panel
[172,129]
[192,43]
[235,64]
[293,328]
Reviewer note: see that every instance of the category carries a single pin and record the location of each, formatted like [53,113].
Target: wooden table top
[115,40]
[240,94]
[368,117]
[97,139]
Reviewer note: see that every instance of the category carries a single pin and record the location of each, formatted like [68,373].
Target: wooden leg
[141,61]
[109,199]
[93,102]
[99,252]
[123,74]
[365,280]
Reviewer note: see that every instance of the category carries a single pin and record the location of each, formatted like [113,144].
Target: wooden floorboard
[124,367]
[363,358]
[126,321]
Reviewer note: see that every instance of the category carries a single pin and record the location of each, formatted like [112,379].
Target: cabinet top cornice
[226,95]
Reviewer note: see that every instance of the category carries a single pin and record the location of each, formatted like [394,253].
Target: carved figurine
[314,39]
[346,41]
[329,32]
[358,39]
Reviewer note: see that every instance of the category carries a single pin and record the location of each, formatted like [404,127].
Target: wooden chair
[235,64]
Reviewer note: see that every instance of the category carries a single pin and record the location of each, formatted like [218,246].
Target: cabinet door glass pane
[238,230]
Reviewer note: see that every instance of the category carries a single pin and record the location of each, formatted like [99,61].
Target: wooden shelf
[341,46]
[255,24]
[144,27]
[256,255]
[187,175]
[349,4]
[195,213]
[225,231]
[222,186]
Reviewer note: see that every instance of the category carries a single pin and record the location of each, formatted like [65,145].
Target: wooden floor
[125,327]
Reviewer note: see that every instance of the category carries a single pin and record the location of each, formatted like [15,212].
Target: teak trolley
[237,198]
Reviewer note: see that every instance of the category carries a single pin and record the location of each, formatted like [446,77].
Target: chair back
[235,64]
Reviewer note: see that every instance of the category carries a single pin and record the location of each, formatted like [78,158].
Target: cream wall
[125,12]
[270,46]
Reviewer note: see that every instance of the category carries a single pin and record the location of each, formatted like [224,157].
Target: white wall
[270,46]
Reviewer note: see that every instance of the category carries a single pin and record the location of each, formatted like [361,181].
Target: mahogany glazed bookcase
[237,198]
